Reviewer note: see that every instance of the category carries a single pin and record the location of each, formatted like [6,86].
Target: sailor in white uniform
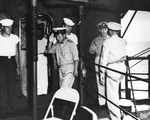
[68,24]
[8,64]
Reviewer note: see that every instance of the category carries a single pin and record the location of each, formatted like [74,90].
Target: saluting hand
[51,37]
[75,73]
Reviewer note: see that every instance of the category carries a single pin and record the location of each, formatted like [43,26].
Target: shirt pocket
[67,54]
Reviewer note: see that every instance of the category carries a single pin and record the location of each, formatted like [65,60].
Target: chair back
[63,104]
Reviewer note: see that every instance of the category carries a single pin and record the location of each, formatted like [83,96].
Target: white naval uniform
[114,49]
[42,71]
[73,37]
[66,54]
[23,63]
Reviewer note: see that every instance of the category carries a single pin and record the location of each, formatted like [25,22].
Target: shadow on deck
[22,113]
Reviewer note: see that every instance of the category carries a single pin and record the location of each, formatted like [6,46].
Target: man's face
[60,37]
[109,32]
[68,28]
[103,31]
[7,29]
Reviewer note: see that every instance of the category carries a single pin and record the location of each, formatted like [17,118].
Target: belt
[7,57]
[66,64]
[118,61]
[41,53]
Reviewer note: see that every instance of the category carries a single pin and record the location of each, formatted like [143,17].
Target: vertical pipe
[149,76]
[126,85]
[81,52]
[34,59]
[127,90]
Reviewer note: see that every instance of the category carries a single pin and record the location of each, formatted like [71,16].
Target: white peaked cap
[6,22]
[114,26]
[59,28]
[68,21]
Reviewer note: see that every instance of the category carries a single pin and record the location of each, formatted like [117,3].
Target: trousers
[66,77]
[7,82]
[101,87]
[113,80]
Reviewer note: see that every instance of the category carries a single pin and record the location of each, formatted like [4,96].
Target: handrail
[128,70]
[117,71]
[125,74]
[137,58]
[88,86]
[137,55]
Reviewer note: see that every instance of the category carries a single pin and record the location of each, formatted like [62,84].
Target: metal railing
[128,79]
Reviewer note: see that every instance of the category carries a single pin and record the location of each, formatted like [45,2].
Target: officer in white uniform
[67,56]
[95,48]
[8,64]
[68,24]
[113,56]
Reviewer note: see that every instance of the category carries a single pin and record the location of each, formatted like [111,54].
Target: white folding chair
[63,105]
[94,116]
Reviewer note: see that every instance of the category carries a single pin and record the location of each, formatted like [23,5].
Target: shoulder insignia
[69,40]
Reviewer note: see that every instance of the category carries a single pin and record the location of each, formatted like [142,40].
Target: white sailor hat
[102,25]
[69,22]
[6,22]
[114,26]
